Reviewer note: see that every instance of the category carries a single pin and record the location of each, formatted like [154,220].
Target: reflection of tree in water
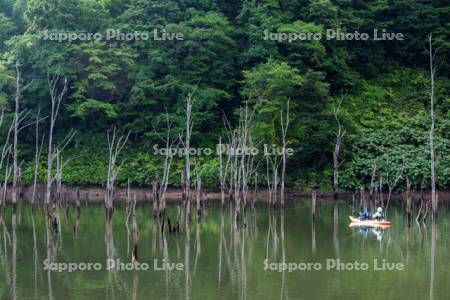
[313,222]
[135,255]
[221,241]
[154,236]
[275,241]
[165,251]
[337,252]
[113,282]
[4,250]
[198,243]
[187,251]
[236,250]
[433,257]
[51,252]
[14,257]
[35,254]
[135,285]
[284,285]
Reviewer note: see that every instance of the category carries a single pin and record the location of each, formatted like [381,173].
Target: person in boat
[378,215]
[365,215]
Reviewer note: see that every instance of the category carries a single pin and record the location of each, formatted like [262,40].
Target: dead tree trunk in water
[255,190]
[198,195]
[168,157]
[238,137]
[224,169]
[380,191]
[37,156]
[372,182]
[363,199]
[115,146]
[18,118]
[269,181]
[222,174]
[78,203]
[284,129]
[408,201]
[313,205]
[5,157]
[237,170]
[248,169]
[276,181]
[155,188]
[16,133]
[5,187]
[392,185]
[58,177]
[183,186]
[422,201]
[272,166]
[241,164]
[337,148]
[56,97]
[434,200]
[187,144]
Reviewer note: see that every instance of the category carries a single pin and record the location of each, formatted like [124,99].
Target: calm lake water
[219,262]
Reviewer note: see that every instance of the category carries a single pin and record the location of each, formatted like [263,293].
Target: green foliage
[226,60]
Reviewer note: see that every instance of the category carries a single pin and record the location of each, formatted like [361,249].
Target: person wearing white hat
[379,214]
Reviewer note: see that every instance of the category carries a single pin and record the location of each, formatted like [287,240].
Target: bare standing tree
[337,147]
[37,155]
[239,160]
[380,191]
[393,183]
[232,158]
[275,178]
[242,138]
[56,96]
[60,165]
[284,128]
[222,172]
[408,201]
[268,179]
[155,193]
[5,186]
[171,144]
[434,199]
[272,178]
[19,117]
[4,160]
[198,194]
[255,189]
[313,205]
[187,144]
[249,170]
[372,181]
[116,143]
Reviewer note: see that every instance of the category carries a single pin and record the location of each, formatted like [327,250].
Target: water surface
[220,262]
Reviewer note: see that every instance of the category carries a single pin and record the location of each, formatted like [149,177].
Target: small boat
[356,222]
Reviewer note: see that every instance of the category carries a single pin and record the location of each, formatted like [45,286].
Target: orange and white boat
[356,222]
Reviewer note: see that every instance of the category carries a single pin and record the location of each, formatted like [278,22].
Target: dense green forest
[225,59]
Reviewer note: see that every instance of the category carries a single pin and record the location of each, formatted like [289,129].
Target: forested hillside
[226,61]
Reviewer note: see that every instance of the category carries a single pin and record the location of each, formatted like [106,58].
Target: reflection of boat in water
[356,222]
[367,231]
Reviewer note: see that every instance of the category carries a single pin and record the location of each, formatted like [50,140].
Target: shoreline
[96,194]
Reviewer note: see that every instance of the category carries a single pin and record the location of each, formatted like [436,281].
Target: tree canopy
[224,56]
